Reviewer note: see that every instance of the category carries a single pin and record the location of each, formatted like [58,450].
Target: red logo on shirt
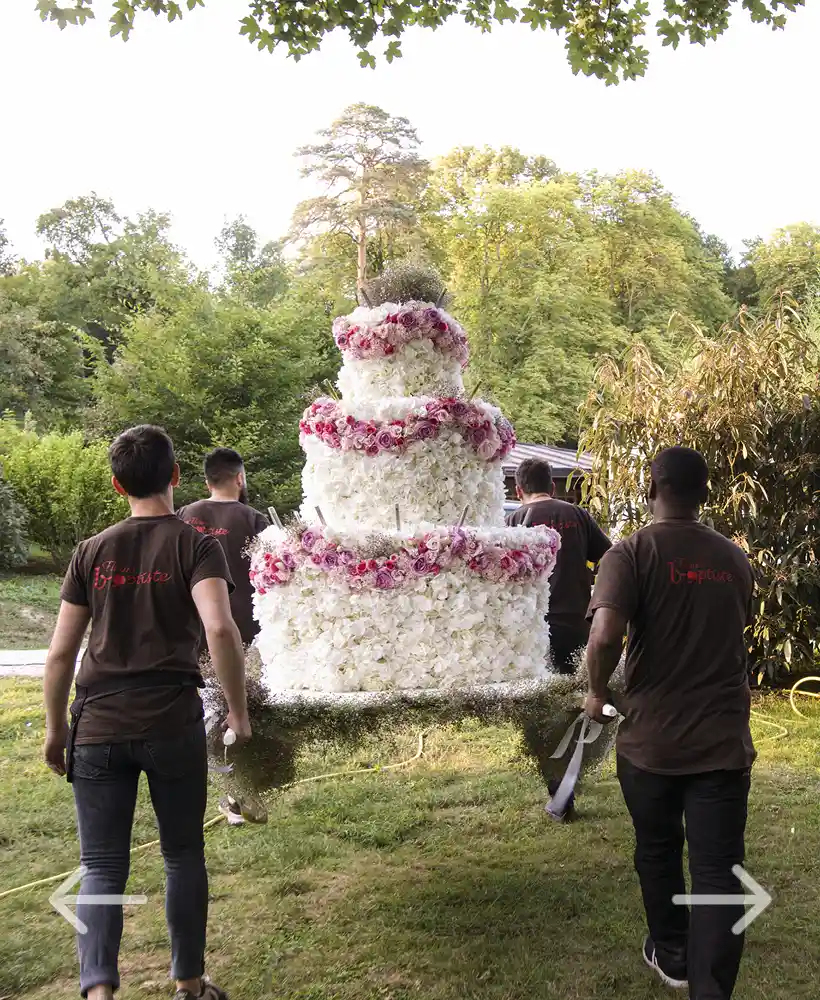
[682,571]
[108,575]
[204,529]
[562,525]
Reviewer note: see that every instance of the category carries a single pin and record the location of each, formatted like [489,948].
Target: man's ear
[120,489]
[175,477]
[552,491]
[653,490]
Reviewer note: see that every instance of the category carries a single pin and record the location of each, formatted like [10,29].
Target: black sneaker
[208,992]
[651,959]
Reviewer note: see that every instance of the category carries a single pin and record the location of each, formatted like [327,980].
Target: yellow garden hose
[218,819]
[806,694]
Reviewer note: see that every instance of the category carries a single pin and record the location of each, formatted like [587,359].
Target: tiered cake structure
[401,573]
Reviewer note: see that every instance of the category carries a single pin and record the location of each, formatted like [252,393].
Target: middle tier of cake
[433,458]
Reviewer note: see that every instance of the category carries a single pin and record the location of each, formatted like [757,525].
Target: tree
[8,262]
[602,40]
[103,269]
[220,372]
[372,178]
[551,270]
[787,263]
[747,399]
[655,261]
[42,362]
[256,274]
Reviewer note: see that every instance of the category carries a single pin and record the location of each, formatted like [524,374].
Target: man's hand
[54,751]
[594,707]
[240,724]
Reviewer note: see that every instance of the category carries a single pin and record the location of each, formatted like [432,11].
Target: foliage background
[549,270]
[747,399]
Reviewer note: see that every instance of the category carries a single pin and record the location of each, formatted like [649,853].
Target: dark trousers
[105,780]
[565,643]
[698,945]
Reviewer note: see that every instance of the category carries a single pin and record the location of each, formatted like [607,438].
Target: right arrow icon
[756,898]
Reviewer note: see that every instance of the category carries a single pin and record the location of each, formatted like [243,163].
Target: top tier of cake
[413,349]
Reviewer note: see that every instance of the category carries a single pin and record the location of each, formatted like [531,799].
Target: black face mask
[243,495]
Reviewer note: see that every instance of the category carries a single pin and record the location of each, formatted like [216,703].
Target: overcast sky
[191,119]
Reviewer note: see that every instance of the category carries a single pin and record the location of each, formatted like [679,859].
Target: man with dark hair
[582,542]
[232,522]
[145,585]
[684,747]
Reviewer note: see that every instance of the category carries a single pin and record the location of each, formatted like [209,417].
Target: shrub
[748,400]
[13,544]
[65,487]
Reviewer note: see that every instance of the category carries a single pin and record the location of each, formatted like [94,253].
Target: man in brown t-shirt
[684,592]
[228,518]
[582,542]
[144,585]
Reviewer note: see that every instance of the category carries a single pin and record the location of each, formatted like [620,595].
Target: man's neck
[223,496]
[536,497]
[669,512]
[156,506]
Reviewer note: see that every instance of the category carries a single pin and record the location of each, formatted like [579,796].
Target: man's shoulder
[193,509]
[109,534]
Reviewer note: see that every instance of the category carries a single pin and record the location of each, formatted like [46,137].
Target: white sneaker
[651,959]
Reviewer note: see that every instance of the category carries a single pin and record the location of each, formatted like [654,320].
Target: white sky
[191,119]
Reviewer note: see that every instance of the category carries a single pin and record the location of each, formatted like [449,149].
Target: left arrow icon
[60,900]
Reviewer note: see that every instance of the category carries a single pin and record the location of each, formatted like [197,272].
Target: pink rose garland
[490,435]
[408,323]
[429,555]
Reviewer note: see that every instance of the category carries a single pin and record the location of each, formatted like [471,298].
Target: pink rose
[384,579]
[309,539]
[385,440]
[423,430]
[409,320]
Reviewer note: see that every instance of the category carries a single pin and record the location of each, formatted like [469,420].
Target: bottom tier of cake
[450,609]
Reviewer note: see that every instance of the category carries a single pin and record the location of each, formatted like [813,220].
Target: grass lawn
[442,881]
[29,602]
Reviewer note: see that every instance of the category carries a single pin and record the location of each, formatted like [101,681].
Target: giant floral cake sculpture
[399,574]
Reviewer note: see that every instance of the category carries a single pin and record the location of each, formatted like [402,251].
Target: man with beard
[227,517]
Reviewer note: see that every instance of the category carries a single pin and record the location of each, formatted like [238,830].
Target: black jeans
[565,642]
[698,945]
[105,783]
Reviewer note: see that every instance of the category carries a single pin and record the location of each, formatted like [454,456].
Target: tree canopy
[548,270]
[604,40]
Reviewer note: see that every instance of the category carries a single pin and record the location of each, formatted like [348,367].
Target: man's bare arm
[603,655]
[225,645]
[61,661]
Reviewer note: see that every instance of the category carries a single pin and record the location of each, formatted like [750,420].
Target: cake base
[286,722]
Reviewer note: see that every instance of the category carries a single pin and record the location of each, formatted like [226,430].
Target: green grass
[29,603]
[442,881]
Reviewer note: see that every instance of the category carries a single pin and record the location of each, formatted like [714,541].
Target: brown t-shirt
[686,592]
[136,578]
[233,524]
[582,542]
